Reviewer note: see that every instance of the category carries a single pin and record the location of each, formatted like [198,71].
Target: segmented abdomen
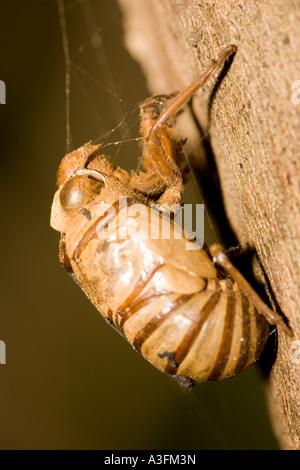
[170,305]
[210,335]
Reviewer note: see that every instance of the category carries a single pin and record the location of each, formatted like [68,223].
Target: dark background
[70,381]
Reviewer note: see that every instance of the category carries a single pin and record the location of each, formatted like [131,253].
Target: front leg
[162,149]
[162,154]
[163,158]
[165,150]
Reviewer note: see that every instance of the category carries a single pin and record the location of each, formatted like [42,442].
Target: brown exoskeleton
[171,303]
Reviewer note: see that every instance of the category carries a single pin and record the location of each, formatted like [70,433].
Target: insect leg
[158,142]
[163,156]
[150,112]
[185,95]
[149,183]
[218,254]
[162,159]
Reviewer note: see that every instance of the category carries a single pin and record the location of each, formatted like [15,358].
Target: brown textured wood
[254,134]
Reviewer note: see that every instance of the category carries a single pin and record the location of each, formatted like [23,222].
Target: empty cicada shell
[171,302]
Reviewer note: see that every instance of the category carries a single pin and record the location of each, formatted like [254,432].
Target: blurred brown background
[70,381]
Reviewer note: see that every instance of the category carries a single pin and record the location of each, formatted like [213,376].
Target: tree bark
[254,131]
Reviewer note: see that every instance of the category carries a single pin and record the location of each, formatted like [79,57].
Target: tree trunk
[254,131]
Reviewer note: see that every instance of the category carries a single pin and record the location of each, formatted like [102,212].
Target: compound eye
[78,191]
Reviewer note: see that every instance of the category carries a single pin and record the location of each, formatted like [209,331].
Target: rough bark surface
[255,138]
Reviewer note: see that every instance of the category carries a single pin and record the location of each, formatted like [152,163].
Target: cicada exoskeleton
[188,318]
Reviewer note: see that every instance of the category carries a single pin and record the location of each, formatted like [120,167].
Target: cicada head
[81,177]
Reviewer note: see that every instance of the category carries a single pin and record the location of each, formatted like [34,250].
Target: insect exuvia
[175,307]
